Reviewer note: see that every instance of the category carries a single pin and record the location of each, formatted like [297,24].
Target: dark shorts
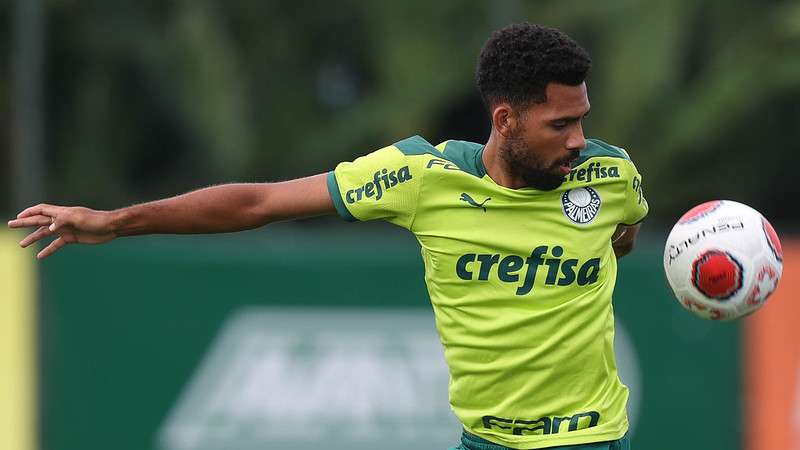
[472,442]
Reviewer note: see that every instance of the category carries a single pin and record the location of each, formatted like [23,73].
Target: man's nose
[576,140]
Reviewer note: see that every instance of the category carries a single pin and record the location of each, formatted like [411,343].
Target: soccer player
[520,239]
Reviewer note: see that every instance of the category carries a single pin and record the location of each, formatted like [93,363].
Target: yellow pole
[18,378]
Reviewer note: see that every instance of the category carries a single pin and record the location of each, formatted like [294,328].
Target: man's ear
[504,120]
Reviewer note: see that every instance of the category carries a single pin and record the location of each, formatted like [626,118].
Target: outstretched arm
[217,209]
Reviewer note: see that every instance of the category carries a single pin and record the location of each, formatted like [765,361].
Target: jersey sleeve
[636,207]
[381,185]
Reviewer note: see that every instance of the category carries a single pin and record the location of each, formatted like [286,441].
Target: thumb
[56,224]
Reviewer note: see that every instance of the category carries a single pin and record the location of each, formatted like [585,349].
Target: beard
[529,166]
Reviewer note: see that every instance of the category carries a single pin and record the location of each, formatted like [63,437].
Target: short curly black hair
[518,62]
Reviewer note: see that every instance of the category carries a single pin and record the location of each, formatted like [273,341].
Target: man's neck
[496,167]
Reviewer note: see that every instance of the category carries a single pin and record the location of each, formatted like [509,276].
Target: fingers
[41,209]
[57,223]
[37,216]
[48,219]
[52,248]
[35,236]
[31,221]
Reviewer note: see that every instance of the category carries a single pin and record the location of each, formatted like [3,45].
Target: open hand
[69,224]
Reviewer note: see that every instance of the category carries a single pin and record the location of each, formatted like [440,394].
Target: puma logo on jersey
[382,181]
[469,200]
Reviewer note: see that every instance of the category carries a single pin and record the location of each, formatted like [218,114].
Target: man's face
[548,137]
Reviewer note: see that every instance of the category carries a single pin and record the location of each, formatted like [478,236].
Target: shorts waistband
[472,442]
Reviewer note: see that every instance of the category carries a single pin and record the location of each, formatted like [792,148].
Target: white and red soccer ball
[722,260]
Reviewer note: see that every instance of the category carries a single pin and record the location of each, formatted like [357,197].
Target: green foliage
[151,98]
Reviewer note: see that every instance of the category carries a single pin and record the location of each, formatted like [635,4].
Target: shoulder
[604,154]
[414,151]
[452,154]
[466,155]
[416,146]
[595,148]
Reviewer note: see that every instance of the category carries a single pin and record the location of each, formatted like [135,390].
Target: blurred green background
[105,103]
[122,345]
[150,98]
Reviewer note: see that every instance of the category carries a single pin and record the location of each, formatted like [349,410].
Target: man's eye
[560,124]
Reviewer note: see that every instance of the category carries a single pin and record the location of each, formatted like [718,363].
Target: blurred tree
[150,98]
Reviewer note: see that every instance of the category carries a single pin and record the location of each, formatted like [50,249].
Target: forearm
[624,239]
[217,209]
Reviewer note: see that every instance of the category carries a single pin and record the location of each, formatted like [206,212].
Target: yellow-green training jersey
[520,281]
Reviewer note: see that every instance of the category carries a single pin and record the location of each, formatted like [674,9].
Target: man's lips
[566,166]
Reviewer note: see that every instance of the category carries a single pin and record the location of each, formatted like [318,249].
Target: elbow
[258,215]
[622,248]
[255,212]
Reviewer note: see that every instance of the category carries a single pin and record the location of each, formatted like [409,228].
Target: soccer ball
[722,260]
